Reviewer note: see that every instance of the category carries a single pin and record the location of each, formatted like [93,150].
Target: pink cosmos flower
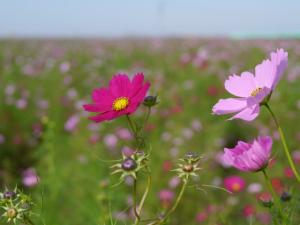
[250,156]
[30,177]
[251,90]
[120,98]
[166,196]
[234,183]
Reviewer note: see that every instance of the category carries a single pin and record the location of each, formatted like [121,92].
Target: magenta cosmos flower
[234,183]
[249,157]
[122,97]
[251,90]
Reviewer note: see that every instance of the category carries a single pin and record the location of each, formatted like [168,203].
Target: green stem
[131,125]
[140,207]
[285,146]
[145,193]
[134,202]
[185,182]
[275,197]
[147,116]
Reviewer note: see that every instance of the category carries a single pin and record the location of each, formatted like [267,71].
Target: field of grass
[43,85]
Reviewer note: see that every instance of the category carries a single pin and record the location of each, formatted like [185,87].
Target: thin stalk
[145,193]
[131,126]
[185,182]
[284,143]
[275,197]
[135,202]
[147,116]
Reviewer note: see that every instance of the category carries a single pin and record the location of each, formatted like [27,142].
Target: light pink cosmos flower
[250,157]
[120,98]
[252,90]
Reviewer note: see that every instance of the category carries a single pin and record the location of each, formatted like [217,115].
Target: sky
[143,18]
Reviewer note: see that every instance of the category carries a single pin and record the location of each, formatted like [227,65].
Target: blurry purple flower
[185,58]
[174,182]
[166,196]
[110,140]
[196,125]
[43,104]
[94,138]
[30,177]
[254,188]
[67,80]
[64,67]
[28,70]
[166,136]
[10,89]
[71,123]
[126,151]
[201,217]
[72,93]
[2,139]
[264,217]
[187,133]
[21,103]
[124,133]
[296,156]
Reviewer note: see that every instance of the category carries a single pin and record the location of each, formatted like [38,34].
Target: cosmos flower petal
[280,60]
[140,95]
[136,83]
[101,95]
[103,116]
[120,85]
[266,143]
[229,105]
[240,86]
[247,114]
[264,74]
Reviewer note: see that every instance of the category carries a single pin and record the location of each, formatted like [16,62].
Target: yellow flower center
[255,92]
[236,187]
[120,103]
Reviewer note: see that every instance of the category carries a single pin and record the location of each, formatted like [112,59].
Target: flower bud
[150,101]
[9,194]
[266,199]
[188,168]
[11,213]
[285,196]
[129,164]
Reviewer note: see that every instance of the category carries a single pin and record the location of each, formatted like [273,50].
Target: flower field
[80,168]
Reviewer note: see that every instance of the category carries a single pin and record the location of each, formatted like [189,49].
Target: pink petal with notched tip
[136,84]
[241,86]
[120,85]
[280,60]
[229,105]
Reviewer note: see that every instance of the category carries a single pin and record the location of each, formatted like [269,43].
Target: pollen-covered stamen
[120,103]
[236,187]
[255,92]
